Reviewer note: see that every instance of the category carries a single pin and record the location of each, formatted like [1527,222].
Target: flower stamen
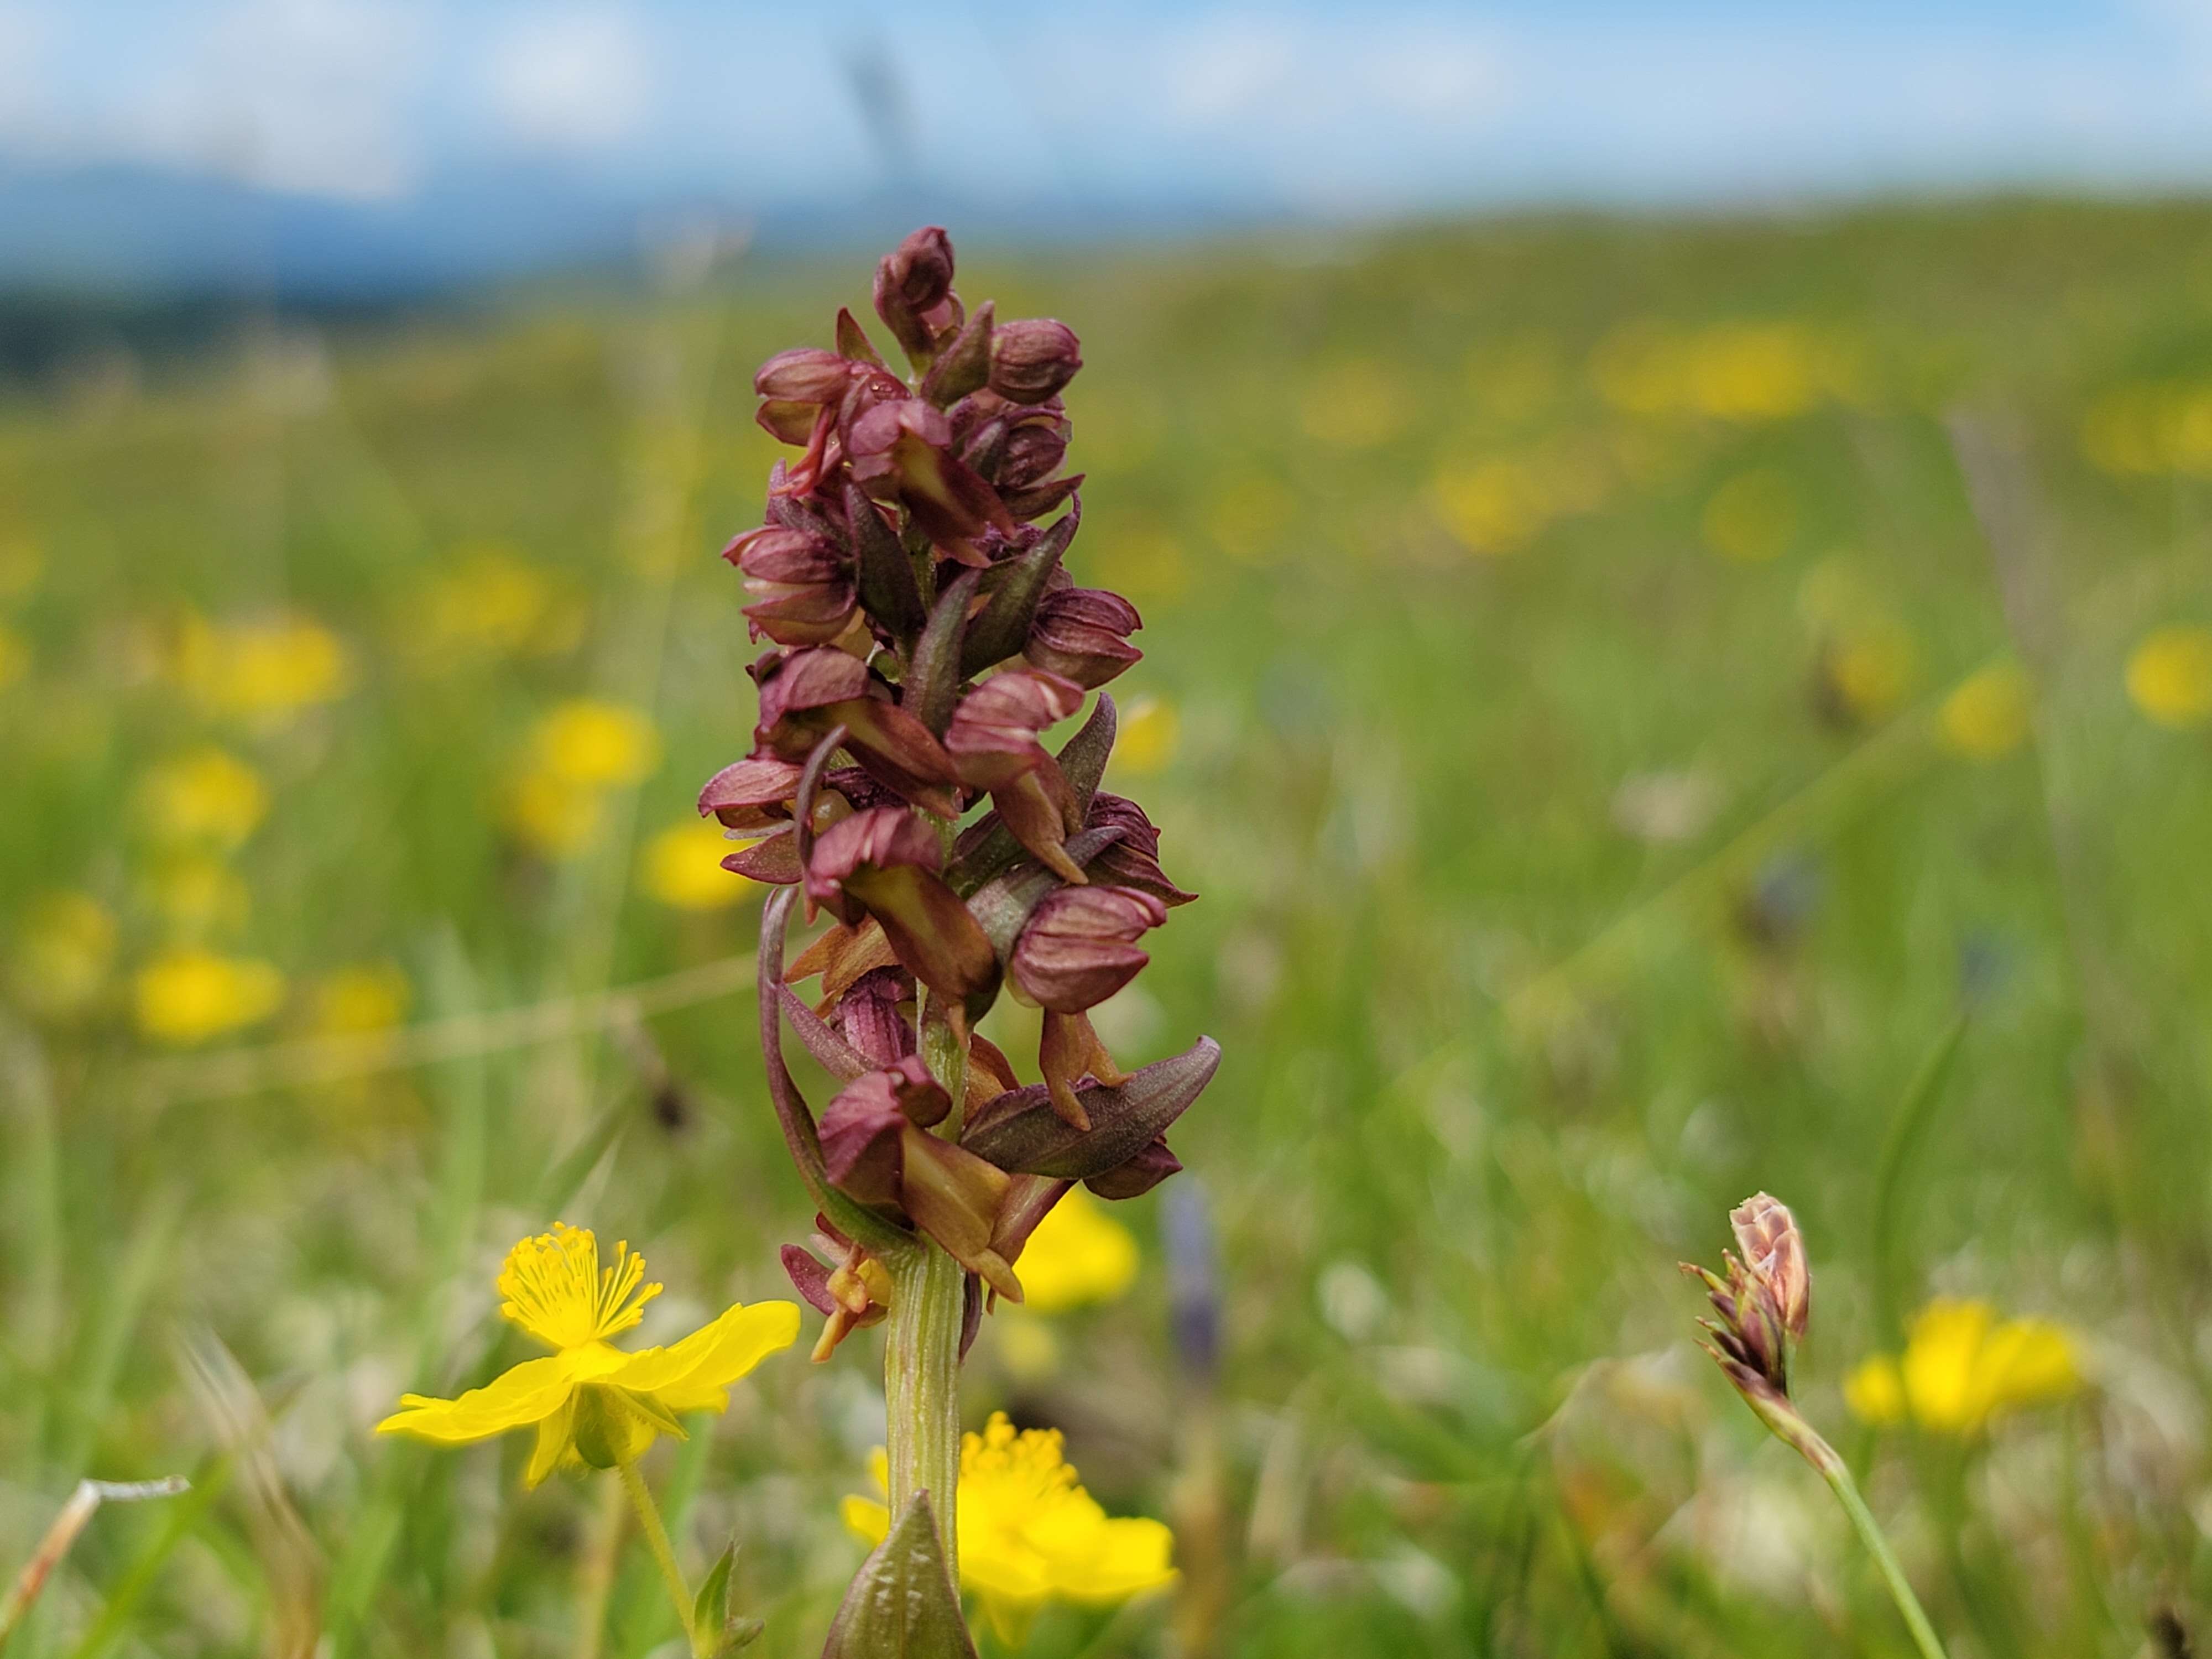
[554,1287]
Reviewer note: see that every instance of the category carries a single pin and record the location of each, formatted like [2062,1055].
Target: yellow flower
[2170,675]
[488,605]
[682,866]
[589,744]
[191,995]
[1753,517]
[207,794]
[1247,517]
[1491,507]
[197,894]
[1029,1534]
[261,670]
[1079,1254]
[1870,667]
[1987,715]
[552,819]
[1147,737]
[1356,404]
[590,1401]
[366,998]
[1963,1366]
[64,951]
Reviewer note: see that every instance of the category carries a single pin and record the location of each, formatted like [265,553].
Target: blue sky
[1377,108]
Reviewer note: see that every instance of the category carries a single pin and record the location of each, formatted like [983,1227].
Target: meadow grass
[1553,631]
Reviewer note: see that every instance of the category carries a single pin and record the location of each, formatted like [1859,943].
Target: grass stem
[1838,1477]
[664,1552]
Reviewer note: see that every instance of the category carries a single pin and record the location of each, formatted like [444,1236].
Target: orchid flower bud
[1079,946]
[805,695]
[1032,453]
[868,1015]
[914,289]
[802,584]
[904,449]
[882,863]
[993,743]
[1032,358]
[804,375]
[755,794]
[1134,860]
[1081,633]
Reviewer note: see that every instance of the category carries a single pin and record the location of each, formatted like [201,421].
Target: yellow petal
[1942,1370]
[1876,1392]
[693,1375]
[1079,1254]
[556,1444]
[1123,1557]
[2028,1362]
[866,1520]
[530,1392]
[1011,1616]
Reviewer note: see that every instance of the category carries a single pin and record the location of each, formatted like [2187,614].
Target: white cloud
[579,80]
[23,37]
[305,96]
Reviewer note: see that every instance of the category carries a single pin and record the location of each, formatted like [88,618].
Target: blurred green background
[1615,747]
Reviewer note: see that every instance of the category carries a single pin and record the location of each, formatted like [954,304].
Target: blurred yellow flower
[1246,517]
[260,669]
[205,795]
[1355,404]
[552,819]
[578,749]
[14,657]
[1963,1367]
[487,605]
[2170,675]
[1736,371]
[196,893]
[1029,1534]
[1987,715]
[588,744]
[359,999]
[1753,517]
[591,1402]
[2156,428]
[63,951]
[682,866]
[1870,667]
[1146,562]
[1147,737]
[1491,507]
[1078,1255]
[190,995]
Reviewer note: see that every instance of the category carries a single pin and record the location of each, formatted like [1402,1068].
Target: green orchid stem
[1838,1475]
[921,1359]
[921,1385]
[664,1553]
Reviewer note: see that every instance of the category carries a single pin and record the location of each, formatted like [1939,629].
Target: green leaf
[902,1604]
[710,1609]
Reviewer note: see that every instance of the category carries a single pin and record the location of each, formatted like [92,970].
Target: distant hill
[146,233]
